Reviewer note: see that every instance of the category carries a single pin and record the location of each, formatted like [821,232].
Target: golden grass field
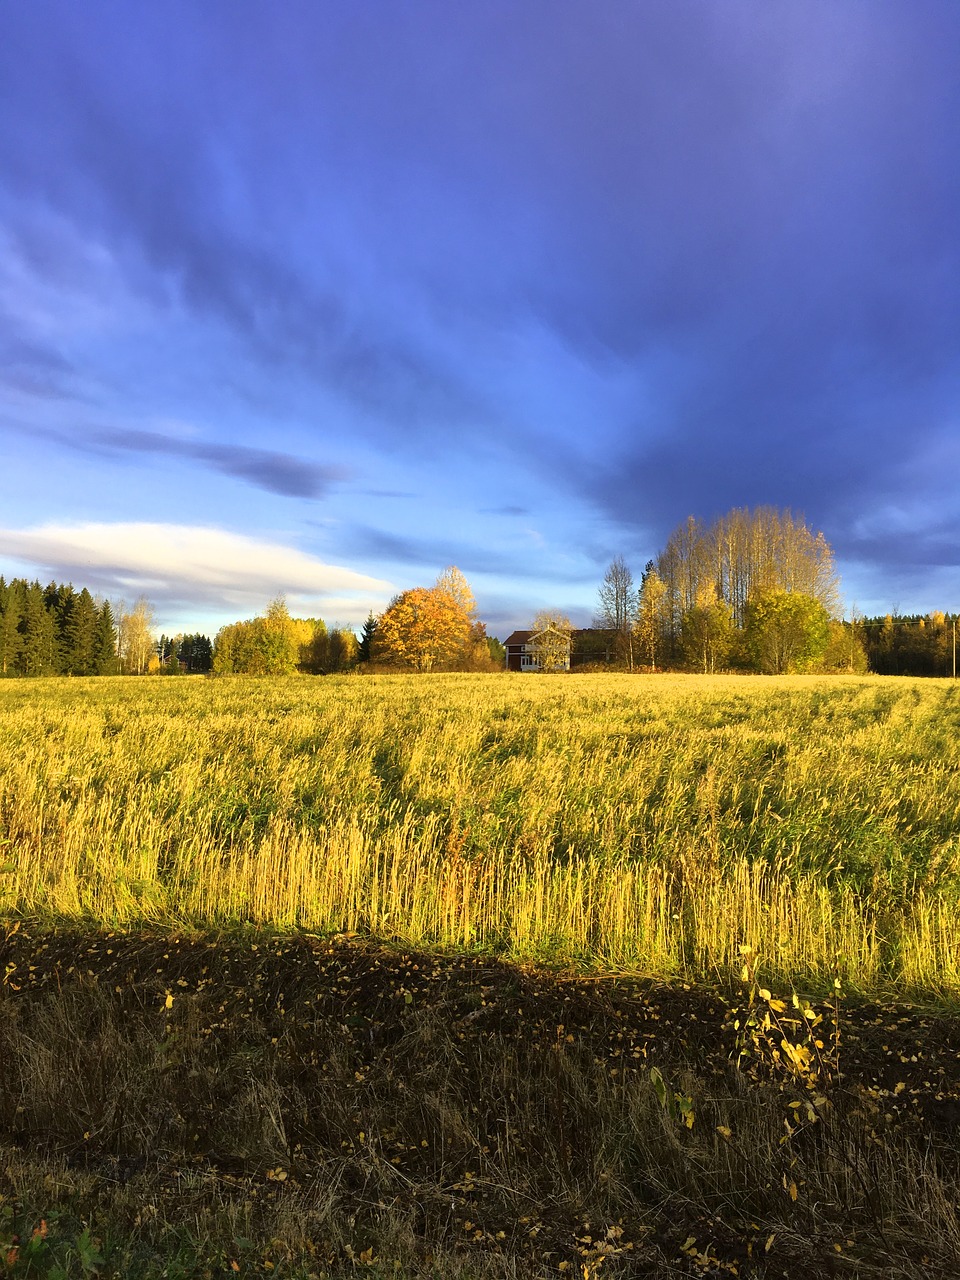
[650,824]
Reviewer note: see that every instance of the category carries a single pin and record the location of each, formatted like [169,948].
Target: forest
[59,631]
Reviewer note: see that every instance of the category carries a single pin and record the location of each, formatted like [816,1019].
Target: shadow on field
[296,1106]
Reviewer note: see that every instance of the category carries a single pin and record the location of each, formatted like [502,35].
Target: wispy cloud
[276,472]
[176,565]
[475,556]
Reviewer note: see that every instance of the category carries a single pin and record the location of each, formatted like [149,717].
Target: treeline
[59,631]
[422,629]
[55,630]
[184,655]
[910,646]
[276,644]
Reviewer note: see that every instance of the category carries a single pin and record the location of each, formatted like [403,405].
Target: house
[587,644]
[521,654]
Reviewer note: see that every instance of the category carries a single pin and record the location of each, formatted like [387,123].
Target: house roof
[522,637]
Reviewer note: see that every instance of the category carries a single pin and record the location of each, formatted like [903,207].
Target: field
[473,976]
[651,825]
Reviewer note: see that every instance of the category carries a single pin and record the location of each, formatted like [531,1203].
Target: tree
[341,649]
[11,610]
[135,638]
[741,554]
[457,588]
[550,641]
[54,630]
[786,631]
[268,645]
[79,640]
[422,629]
[278,640]
[845,650]
[228,649]
[427,628]
[476,655]
[652,614]
[195,652]
[105,644]
[618,608]
[328,650]
[498,654]
[707,631]
[59,599]
[38,642]
[366,637]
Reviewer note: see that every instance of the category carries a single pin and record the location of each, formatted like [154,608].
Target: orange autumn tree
[427,628]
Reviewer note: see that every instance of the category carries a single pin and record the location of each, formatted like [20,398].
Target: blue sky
[320,298]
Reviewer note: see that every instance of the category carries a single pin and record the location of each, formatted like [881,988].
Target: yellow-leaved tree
[428,628]
[550,641]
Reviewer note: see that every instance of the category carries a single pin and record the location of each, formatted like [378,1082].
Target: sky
[318,298]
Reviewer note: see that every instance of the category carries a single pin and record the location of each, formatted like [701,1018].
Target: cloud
[184,564]
[33,368]
[638,268]
[276,472]
[434,553]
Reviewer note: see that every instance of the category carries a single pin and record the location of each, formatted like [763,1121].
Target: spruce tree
[11,611]
[79,641]
[105,642]
[38,636]
[365,647]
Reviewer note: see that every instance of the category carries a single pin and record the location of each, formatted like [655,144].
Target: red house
[588,644]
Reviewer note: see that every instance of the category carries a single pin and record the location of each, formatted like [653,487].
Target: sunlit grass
[656,824]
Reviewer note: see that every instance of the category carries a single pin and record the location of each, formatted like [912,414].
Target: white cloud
[176,565]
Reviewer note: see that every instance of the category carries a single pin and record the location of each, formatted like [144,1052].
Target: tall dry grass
[656,824]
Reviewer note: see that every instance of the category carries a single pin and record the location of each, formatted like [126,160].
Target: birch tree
[135,636]
[550,641]
[741,554]
[651,616]
[618,608]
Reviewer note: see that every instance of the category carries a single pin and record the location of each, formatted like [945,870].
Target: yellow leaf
[724,1132]
[168,1003]
[770,1239]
